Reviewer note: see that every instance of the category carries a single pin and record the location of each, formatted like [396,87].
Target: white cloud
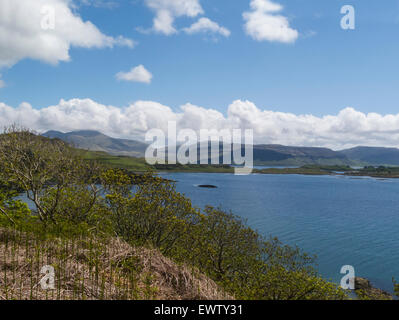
[263,23]
[136,74]
[22,35]
[346,129]
[99,3]
[204,25]
[2,83]
[166,11]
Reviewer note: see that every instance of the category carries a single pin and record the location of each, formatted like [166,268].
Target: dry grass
[93,269]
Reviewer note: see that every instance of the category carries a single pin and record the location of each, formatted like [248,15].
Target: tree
[12,212]
[51,173]
[287,273]
[249,267]
[150,212]
[223,245]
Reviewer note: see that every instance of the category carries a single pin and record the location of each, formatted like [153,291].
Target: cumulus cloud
[166,11]
[22,34]
[205,25]
[346,129]
[136,74]
[263,23]
[99,3]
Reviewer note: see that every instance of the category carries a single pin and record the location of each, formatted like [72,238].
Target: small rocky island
[209,186]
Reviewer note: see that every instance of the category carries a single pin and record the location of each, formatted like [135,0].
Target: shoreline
[280,171]
[326,172]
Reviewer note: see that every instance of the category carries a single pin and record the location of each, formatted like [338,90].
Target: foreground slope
[93,269]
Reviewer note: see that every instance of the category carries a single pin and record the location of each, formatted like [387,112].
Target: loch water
[343,220]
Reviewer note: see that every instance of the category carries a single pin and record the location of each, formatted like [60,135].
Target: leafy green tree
[223,245]
[118,201]
[13,213]
[251,268]
[33,163]
[150,212]
[286,273]
[78,210]
[62,186]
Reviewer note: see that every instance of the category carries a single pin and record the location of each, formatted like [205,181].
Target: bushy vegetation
[75,198]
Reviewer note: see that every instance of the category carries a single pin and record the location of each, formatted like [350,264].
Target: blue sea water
[343,220]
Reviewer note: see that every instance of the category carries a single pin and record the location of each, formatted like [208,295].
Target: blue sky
[284,68]
[325,70]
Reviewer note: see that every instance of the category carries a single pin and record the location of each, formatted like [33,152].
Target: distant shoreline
[382,172]
[138,165]
[372,172]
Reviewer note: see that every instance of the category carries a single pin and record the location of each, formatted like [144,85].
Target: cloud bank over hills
[347,129]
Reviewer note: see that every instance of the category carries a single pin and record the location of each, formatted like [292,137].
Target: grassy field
[128,163]
[140,165]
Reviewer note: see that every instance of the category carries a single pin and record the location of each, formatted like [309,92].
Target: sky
[285,68]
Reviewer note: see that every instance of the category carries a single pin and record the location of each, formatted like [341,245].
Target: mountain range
[97,141]
[264,154]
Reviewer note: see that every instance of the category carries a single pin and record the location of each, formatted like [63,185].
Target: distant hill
[96,141]
[278,155]
[264,154]
[284,155]
[373,155]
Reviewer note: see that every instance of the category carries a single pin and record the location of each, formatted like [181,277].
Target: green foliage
[77,210]
[33,163]
[373,294]
[286,273]
[150,213]
[117,162]
[223,245]
[380,171]
[12,212]
[396,287]
[251,268]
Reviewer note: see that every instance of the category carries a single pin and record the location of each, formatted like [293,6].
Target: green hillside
[140,165]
